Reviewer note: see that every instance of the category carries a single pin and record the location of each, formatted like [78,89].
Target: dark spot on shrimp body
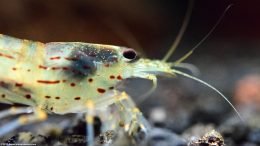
[28,96]
[86,57]
[82,67]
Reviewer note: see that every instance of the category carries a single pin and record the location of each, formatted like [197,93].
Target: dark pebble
[254,136]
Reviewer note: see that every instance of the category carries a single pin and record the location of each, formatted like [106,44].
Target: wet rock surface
[164,137]
[231,133]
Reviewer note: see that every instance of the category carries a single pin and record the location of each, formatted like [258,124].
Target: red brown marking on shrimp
[119,77]
[42,67]
[57,97]
[90,80]
[106,65]
[28,96]
[64,81]
[48,81]
[72,84]
[28,70]
[48,97]
[101,90]
[55,68]
[112,77]
[65,68]
[14,69]
[18,84]
[77,98]
[51,108]
[111,88]
[3,95]
[7,56]
[55,58]
[71,58]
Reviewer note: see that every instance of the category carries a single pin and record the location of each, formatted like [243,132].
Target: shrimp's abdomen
[17,60]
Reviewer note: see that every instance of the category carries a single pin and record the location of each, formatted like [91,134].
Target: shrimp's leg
[126,116]
[90,122]
[107,122]
[38,115]
[109,128]
[132,120]
[15,111]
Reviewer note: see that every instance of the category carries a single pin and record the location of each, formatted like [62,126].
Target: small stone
[212,138]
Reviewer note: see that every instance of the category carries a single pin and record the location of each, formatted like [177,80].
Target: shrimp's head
[131,66]
[143,68]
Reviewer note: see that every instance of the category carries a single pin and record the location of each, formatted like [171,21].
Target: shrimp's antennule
[181,32]
[210,86]
[205,37]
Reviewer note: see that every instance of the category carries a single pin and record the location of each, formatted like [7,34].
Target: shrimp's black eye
[129,54]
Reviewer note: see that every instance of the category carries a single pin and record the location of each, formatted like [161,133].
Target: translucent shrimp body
[76,77]
[69,77]
[58,76]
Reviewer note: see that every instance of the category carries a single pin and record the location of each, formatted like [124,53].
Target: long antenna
[181,32]
[205,37]
[210,86]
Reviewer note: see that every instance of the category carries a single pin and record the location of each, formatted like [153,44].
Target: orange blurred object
[247,91]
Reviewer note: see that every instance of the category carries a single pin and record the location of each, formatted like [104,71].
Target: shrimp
[77,77]
[65,77]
